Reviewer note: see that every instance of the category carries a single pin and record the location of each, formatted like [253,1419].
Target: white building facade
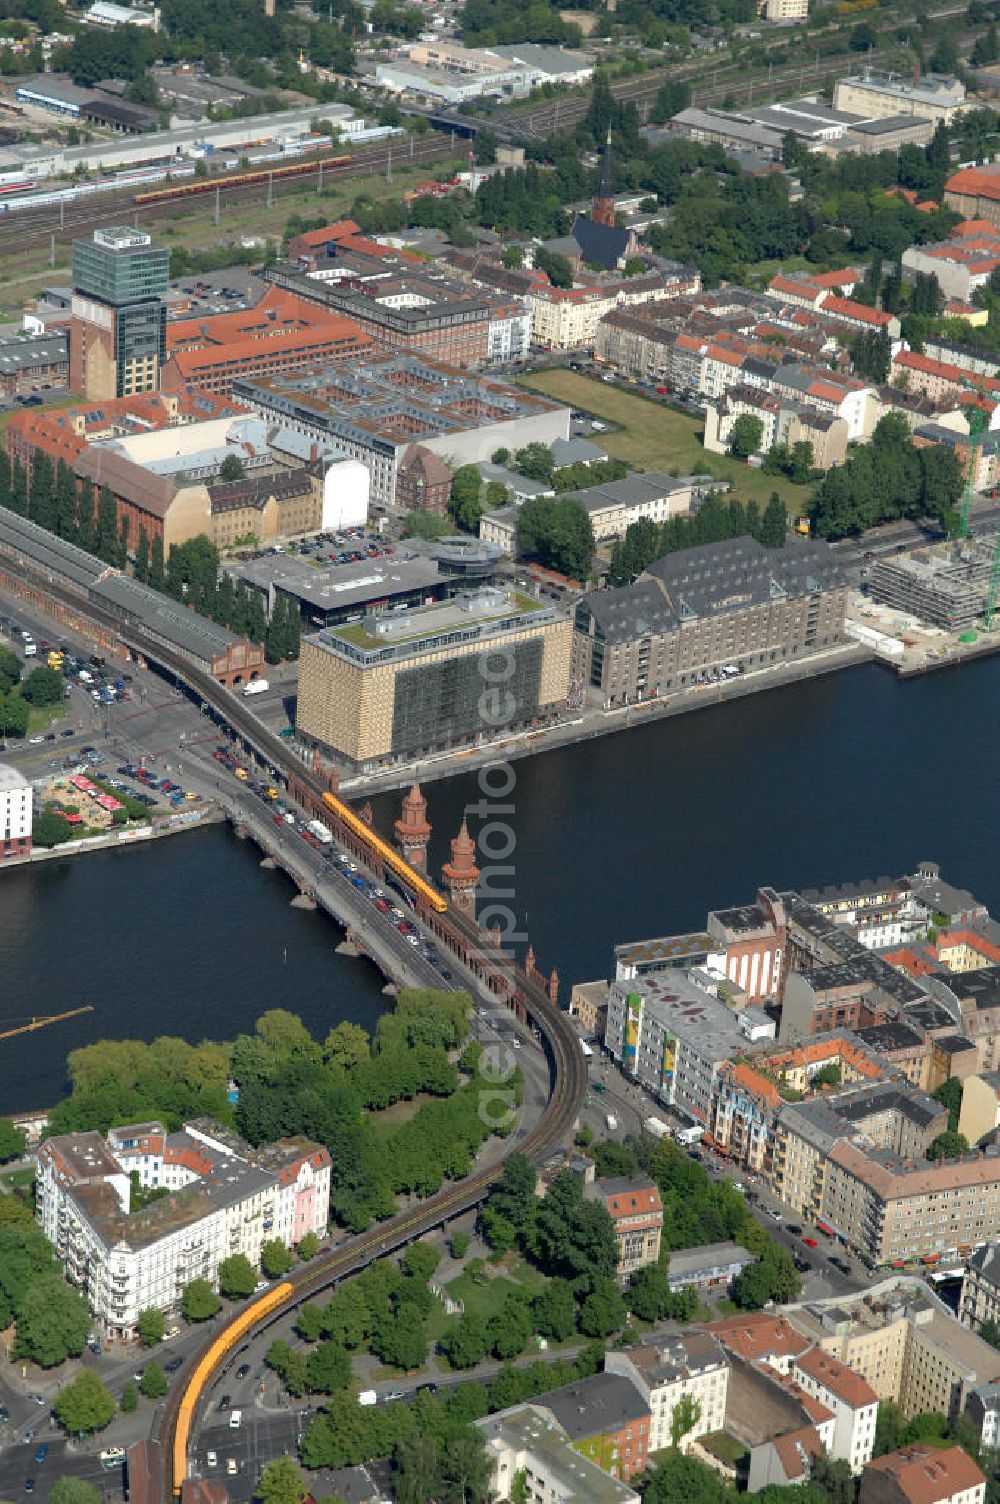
[224,1198]
[15,813]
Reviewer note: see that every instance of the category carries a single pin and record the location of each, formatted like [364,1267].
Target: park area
[651,435]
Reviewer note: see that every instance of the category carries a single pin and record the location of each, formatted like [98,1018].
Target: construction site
[947,585]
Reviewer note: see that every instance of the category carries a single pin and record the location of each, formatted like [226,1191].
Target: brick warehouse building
[733,604]
[281,333]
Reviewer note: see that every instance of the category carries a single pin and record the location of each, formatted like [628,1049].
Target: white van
[30,649]
[236,1420]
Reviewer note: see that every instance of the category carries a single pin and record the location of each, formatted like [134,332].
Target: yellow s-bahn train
[207,1366]
[237,180]
[386,854]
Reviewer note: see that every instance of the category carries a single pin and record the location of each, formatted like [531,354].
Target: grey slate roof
[599,1404]
[604,244]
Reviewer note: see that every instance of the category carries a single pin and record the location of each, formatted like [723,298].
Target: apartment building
[891,1208]
[904,1342]
[733,603]
[225,1198]
[750,1093]
[672,1366]
[851,1399]
[607,1420]
[783,421]
[636,1212]
[528,1441]
[15,813]
[401,304]
[923,1475]
[980,1298]
[671,1036]
[974,192]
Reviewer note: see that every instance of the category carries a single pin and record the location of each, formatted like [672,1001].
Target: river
[621,838]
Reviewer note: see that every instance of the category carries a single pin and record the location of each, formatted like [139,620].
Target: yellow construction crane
[40,1023]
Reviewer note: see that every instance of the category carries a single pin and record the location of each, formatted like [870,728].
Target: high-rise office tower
[118,324]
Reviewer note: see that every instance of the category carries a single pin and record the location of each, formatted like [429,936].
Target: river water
[621,838]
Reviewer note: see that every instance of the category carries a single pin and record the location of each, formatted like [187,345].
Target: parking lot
[227,291]
[353,546]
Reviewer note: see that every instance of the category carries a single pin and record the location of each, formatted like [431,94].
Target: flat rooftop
[340,585]
[423,629]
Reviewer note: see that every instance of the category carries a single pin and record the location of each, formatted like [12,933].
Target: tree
[150,1325]
[948,1145]
[746,436]
[558,269]
[833,1476]
[308,1246]
[237,1277]
[43,686]
[554,1310]
[774,523]
[130,1398]
[85,1405]
[157,578]
[12,1141]
[142,557]
[199,1301]
[458,1244]
[683,1418]
[52,1323]
[74,1491]
[281,1482]
[10,670]
[276,1259]
[603,1311]
[465,1343]
[232,468]
[415,1465]
[557,532]
[513,257]
[153,1383]
[327,1368]
[649,1295]
[466,503]
[347,1045]
[949,1094]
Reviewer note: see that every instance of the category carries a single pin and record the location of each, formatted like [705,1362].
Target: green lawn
[389,1119]
[40,717]
[652,436]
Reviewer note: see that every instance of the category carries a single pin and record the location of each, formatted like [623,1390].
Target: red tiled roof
[925,1475]
[837,1377]
[977,182]
[858,313]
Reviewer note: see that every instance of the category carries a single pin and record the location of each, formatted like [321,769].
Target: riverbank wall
[593,723]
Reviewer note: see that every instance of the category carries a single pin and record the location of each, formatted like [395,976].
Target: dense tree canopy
[886,479]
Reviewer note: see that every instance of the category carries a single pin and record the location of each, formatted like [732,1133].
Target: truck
[611,1121]
[256,687]
[320,831]
[656,1128]
[368,1397]
[692,1135]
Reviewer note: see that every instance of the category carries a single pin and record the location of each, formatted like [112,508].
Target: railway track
[28,228]
[567,1067]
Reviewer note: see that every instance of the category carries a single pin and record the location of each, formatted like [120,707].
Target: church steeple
[602,208]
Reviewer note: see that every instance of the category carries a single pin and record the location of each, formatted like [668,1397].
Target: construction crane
[40,1023]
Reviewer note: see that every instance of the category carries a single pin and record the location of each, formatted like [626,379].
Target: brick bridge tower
[461,875]
[413,830]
